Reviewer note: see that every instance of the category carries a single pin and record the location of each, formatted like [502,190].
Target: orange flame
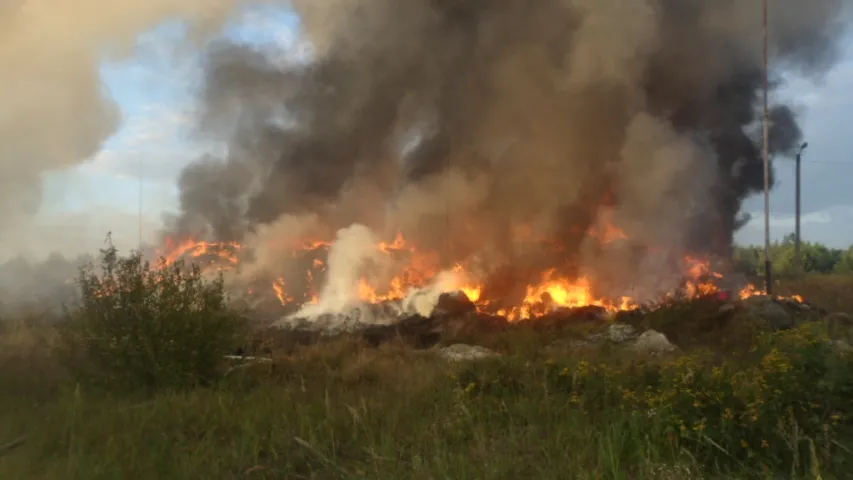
[420,268]
[606,231]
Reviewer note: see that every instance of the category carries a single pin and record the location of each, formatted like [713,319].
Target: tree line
[816,258]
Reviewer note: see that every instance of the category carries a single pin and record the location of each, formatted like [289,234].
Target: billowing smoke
[54,112]
[473,126]
[482,130]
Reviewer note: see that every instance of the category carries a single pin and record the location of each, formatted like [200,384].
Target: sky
[827,165]
[136,169]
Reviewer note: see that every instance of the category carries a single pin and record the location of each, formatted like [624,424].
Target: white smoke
[354,256]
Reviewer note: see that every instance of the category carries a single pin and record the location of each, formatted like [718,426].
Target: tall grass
[777,406]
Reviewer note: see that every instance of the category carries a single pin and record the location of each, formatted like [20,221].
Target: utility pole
[768,264]
[798,259]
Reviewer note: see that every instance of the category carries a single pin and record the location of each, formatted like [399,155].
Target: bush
[782,407]
[138,327]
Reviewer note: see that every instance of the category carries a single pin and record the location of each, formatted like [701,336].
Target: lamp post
[768,265]
[798,259]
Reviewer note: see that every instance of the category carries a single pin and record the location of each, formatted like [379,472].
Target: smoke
[353,251]
[55,112]
[462,122]
[471,126]
[39,288]
[354,256]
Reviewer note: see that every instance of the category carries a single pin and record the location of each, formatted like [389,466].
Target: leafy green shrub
[783,407]
[143,327]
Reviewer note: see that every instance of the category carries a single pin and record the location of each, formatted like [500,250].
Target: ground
[543,409]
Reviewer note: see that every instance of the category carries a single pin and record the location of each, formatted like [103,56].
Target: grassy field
[831,292]
[776,409]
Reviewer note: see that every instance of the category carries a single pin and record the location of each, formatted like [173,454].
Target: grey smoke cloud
[455,121]
[557,113]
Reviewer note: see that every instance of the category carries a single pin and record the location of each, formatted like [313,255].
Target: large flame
[420,269]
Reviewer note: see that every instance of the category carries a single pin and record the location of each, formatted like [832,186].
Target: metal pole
[768,263]
[798,260]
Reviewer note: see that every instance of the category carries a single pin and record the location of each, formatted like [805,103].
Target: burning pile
[415,272]
[533,154]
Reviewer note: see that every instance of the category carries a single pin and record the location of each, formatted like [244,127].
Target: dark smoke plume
[459,121]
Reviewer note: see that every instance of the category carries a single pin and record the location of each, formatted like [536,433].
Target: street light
[798,260]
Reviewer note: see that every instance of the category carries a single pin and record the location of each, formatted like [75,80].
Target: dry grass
[343,410]
[831,292]
[331,411]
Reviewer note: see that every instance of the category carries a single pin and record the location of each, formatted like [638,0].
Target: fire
[471,289]
[752,291]
[226,251]
[280,289]
[606,231]
[701,277]
[399,243]
[420,269]
[473,293]
[555,292]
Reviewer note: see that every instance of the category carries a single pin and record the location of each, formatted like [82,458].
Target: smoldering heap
[474,126]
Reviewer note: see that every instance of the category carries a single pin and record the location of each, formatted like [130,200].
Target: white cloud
[789,221]
[832,226]
[153,145]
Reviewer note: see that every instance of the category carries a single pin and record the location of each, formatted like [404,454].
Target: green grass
[330,412]
[342,410]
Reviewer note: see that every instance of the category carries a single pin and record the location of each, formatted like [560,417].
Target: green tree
[816,258]
[845,263]
[748,260]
